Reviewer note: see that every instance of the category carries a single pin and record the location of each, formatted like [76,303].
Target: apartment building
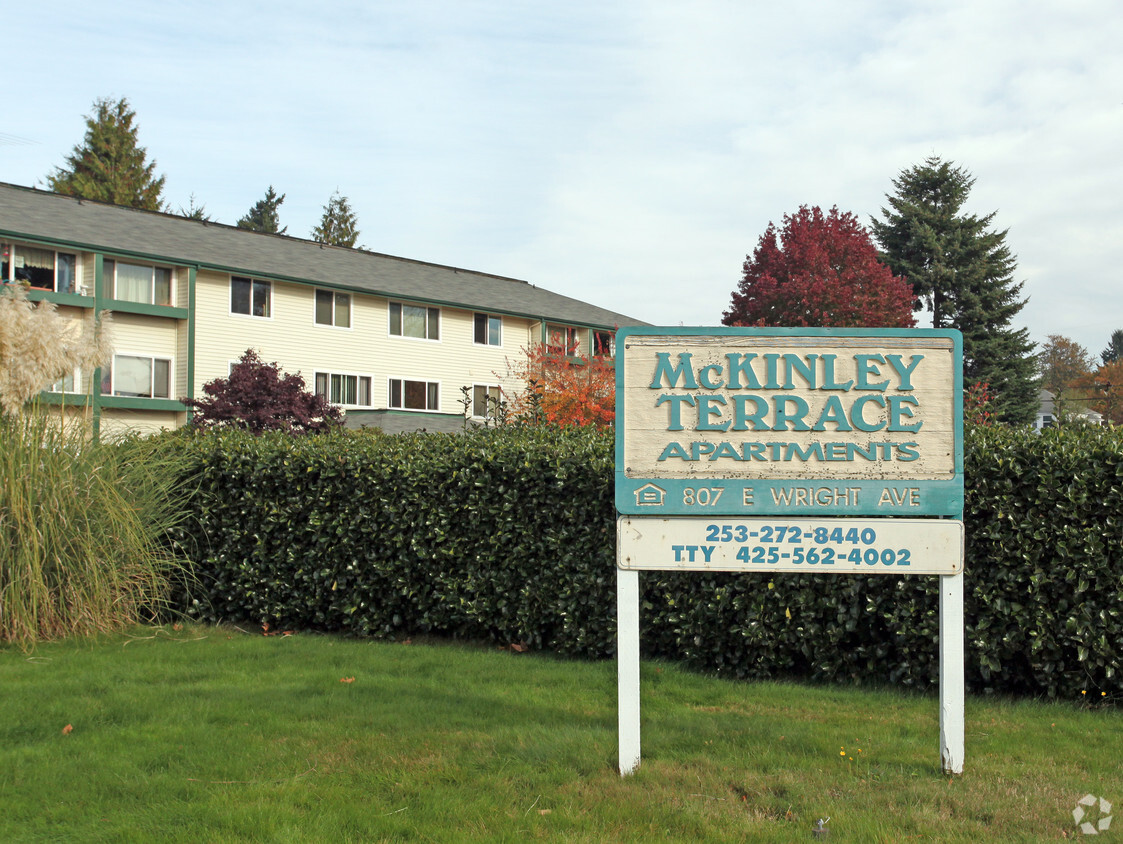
[392,341]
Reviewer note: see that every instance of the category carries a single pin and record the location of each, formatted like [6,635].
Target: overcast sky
[625,152]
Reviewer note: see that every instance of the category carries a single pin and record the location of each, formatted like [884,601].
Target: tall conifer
[963,272]
[1114,350]
[263,216]
[109,165]
[338,226]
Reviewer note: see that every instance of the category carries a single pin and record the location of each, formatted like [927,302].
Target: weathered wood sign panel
[810,546]
[731,441]
[742,421]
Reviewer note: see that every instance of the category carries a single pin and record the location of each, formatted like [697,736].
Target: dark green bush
[503,534]
[509,535]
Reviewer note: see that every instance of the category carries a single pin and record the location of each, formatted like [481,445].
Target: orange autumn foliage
[569,389]
[1102,391]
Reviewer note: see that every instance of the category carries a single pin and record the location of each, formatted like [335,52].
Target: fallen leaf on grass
[545,811]
[68,729]
[346,679]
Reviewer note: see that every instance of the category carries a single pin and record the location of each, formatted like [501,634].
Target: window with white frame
[251,297]
[43,269]
[333,308]
[488,330]
[69,383]
[142,283]
[561,340]
[138,376]
[415,321]
[414,395]
[604,344]
[341,388]
[485,400]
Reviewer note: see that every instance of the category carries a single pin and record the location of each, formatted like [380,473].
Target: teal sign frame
[816,491]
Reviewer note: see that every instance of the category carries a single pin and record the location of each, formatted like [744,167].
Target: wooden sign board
[809,546]
[726,438]
[750,422]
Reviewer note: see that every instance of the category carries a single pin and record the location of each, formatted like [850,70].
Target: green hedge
[509,535]
[500,534]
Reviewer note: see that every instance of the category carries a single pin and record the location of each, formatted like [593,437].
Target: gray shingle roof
[82,224]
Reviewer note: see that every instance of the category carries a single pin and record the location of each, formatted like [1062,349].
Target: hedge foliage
[503,534]
[509,534]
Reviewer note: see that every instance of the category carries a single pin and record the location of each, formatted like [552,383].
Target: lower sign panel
[829,546]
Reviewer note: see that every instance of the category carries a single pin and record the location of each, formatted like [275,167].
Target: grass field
[218,735]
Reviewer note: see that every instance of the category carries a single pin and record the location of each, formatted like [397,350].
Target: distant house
[391,340]
[1047,412]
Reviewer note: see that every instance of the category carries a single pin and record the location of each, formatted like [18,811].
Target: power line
[15,140]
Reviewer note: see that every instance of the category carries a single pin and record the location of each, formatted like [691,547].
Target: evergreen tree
[1114,350]
[109,165]
[963,272]
[338,226]
[263,216]
[195,212]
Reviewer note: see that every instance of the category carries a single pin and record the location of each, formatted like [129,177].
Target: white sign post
[784,450]
[627,670]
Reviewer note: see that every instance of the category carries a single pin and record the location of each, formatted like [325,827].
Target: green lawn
[215,735]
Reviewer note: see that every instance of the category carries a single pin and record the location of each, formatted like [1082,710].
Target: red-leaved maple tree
[819,270]
[563,389]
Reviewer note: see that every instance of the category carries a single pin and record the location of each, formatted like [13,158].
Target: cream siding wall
[456,360]
[116,422]
[81,317]
[181,359]
[291,337]
[158,337]
[140,334]
[181,288]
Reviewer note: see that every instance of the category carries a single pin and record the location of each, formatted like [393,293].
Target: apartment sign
[754,422]
[771,450]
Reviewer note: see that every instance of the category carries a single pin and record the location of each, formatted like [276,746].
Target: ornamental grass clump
[83,524]
[82,528]
[38,346]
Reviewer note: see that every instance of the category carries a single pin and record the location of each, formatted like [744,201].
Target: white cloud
[629,152]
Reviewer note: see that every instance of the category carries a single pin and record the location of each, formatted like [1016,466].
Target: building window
[67,383]
[43,269]
[488,330]
[561,340]
[138,282]
[139,377]
[604,344]
[333,309]
[415,321]
[250,296]
[414,395]
[485,400]
[338,388]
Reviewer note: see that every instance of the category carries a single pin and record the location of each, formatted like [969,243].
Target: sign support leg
[951,673]
[627,668]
